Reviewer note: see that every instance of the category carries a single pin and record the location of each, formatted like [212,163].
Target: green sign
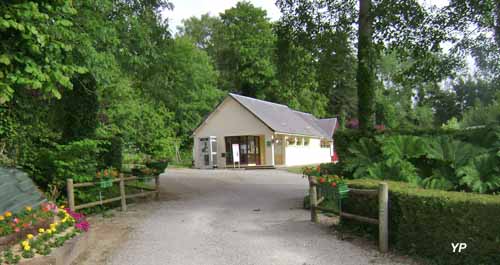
[106,183]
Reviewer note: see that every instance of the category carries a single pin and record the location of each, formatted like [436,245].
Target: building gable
[233,119]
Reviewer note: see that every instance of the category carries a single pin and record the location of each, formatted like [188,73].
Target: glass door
[249,149]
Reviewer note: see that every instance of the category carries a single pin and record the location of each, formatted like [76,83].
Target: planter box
[64,255]
[14,238]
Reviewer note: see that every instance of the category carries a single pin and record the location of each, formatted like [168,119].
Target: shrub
[449,160]
[426,222]
[111,155]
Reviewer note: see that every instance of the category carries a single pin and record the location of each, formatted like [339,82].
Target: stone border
[65,254]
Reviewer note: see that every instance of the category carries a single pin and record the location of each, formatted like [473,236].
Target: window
[292,140]
[325,144]
[306,141]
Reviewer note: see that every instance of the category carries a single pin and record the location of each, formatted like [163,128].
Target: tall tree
[323,31]
[246,51]
[365,76]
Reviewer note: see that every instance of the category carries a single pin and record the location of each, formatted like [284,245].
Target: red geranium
[322,180]
[334,184]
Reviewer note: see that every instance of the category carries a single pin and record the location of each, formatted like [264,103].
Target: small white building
[261,133]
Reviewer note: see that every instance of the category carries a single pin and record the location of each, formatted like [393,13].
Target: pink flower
[16,221]
[17,229]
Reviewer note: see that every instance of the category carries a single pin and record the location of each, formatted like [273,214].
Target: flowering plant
[330,180]
[28,218]
[66,225]
[311,171]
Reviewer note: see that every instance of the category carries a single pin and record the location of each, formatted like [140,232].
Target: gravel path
[238,217]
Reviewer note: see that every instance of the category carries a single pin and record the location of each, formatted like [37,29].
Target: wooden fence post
[157,187]
[383,217]
[313,199]
[122,193]
[71,194]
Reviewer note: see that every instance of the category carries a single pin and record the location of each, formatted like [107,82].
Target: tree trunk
[365,77]
[497,24]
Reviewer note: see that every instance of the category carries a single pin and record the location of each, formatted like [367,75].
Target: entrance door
[249,149]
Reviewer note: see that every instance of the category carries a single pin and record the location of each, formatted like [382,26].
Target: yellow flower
[41,230]
[64,220]
[29,236]
[25,243]
[8,214]
[28,208]
[27,248]
[62,206]
[53,230]
[2,218]
[52,225]
[49,232]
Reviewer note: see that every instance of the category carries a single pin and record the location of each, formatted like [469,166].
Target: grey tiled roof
[281,118]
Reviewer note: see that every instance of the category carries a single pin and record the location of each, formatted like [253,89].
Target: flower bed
[14,227]
[66,225]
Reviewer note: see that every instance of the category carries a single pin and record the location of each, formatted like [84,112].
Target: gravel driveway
[238,217]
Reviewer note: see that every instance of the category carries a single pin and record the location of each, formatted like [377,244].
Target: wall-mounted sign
[236,153]
[268,143]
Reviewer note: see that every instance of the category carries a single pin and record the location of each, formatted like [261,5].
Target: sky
[184,9]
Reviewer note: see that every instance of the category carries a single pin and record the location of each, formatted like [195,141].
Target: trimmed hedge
[426,222]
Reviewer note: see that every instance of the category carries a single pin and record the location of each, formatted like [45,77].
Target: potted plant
[157,165]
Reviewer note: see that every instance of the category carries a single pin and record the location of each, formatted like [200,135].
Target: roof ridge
[260,100]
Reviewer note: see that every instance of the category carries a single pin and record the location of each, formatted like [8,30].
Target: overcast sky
[187,8]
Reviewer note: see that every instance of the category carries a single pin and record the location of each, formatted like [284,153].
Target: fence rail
[383,209]
[123,196]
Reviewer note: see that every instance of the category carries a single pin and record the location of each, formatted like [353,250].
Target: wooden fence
[123,196]
[383,209]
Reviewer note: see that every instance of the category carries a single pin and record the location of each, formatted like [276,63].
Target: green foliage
[112,156]
[436,160]
[482,173]
[36,40]
[413,229]
[78,109]
[246,50]
[76,160]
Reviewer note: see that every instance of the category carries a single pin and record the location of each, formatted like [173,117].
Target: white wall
[231,119]
[297,155]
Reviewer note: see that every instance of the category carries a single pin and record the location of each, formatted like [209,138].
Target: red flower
[322,180]
[17,229]
[334,184]
[318,168]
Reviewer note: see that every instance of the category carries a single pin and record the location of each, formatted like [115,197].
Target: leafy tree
[203,32]
[36,43]
[321,31]
[247,45]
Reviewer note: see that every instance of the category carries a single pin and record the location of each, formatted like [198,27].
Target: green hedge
[426,222]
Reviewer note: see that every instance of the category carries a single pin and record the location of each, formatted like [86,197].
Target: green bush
[426,222]
[112,154]
[465,160]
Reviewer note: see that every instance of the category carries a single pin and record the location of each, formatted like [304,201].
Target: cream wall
[231,119]
[297,155]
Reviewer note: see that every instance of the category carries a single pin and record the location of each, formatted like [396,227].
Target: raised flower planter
[59,242]
[64,255]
